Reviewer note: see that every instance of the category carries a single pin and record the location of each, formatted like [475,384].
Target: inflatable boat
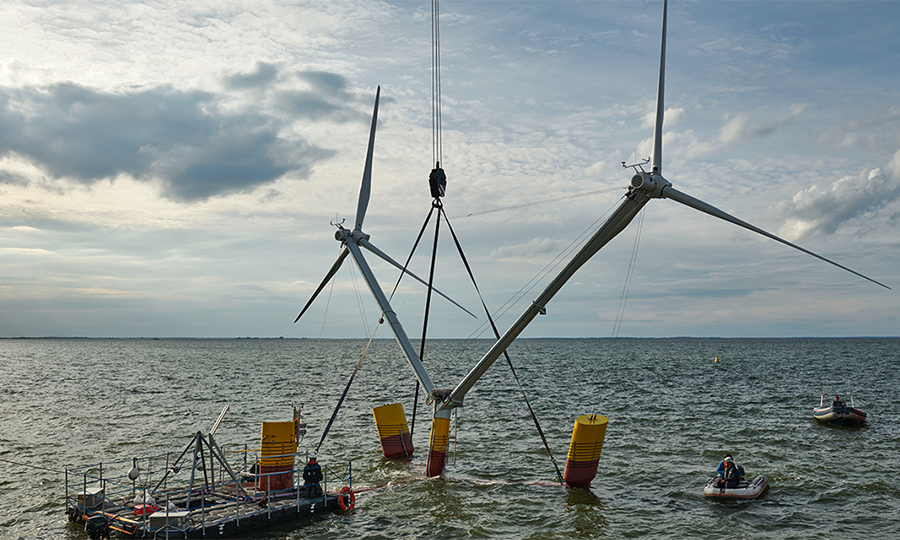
[745,489]
[839,413]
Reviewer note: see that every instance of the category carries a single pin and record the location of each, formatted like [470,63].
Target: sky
[173,169]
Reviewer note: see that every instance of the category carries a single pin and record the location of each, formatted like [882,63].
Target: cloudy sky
[171,168]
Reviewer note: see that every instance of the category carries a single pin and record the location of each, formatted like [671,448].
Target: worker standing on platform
[312,478]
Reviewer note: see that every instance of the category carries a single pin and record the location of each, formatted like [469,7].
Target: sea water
[673,411]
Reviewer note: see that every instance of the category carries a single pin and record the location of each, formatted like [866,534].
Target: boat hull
[745,489]
[840,415]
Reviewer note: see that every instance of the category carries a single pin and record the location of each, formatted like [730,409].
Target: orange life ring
[352,496]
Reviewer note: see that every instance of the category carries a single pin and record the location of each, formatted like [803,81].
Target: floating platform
[199,494]
[219,513]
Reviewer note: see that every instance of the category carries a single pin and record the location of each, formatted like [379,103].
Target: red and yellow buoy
[584,450]
[278,445]
[393,431]
[438,443]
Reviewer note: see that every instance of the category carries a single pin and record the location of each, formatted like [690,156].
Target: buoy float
[278,442]
[393,431]
[438,444]
[347,493]
[584,450]
[717,358]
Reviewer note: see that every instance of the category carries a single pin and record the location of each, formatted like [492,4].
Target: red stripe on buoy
[397,446]
[269,480]
[580,473]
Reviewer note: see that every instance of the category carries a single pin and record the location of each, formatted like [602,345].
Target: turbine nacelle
[652,184]
[344,235]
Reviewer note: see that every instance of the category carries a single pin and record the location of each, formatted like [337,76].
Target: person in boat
[730,473]
[312,478]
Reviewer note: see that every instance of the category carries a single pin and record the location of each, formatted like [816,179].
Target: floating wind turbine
[644,186]
[658,187]
[351,241]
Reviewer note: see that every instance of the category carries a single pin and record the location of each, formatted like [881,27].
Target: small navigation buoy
[717,358]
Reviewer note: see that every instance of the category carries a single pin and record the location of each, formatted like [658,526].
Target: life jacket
[731,474]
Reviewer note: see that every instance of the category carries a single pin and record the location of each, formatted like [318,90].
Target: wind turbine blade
[656,163]
[368,245]
[366,188]
[687,200]
[334,268]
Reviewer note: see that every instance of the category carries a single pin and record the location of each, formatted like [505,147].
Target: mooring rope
[544,201]
[347,388]
[33,466]
[620,314]
[359,300]
[318,345]
[541,274]
[516,206]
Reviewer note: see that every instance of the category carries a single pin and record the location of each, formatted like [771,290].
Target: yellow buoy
[438,445]
[584,450]
[277,447]
[393,431]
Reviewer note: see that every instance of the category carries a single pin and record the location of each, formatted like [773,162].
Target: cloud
[858,133]
[263,74]
[823,210]
[672,117]
[740,129]
[326,97]
[186,140]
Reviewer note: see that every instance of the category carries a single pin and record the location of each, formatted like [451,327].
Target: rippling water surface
[673,411]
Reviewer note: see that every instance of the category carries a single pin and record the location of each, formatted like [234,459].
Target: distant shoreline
[442,339]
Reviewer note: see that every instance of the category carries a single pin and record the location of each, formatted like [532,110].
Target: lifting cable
[505,353]
[438,182]
[620,314]
[437,179]
[436,136]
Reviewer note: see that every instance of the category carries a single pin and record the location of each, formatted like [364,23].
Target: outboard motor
[97,527]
